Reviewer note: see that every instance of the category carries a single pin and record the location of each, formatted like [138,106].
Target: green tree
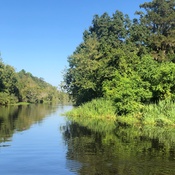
[159,19]
[8,84]
[81,77]
[92,62]
[118,58]
[34,90]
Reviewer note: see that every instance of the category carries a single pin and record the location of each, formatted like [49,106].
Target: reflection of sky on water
[57,146]
[40,150]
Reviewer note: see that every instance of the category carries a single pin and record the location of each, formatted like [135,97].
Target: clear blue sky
[39,35]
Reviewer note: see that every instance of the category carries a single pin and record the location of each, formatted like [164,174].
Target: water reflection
[124,151]
[19,118]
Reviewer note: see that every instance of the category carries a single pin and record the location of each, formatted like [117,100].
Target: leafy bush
[127,92]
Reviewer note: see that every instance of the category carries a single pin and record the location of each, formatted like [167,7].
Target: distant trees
[130,62]
[8,84]
[24,87]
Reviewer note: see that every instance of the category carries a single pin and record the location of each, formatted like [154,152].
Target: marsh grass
[99,114]
[161,114]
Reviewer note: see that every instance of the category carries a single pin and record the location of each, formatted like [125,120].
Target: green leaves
[110,30]
[35,90]
[82,76]
[128,92]
[130,63]
[159,19]
[23,87]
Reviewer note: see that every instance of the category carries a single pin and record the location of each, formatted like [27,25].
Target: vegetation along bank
[22,88]
[128,65]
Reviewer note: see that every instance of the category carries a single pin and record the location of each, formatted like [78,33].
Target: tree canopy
[24,87]
[130,62]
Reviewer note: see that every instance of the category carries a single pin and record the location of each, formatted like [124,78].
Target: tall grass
[99,114]
[161,114]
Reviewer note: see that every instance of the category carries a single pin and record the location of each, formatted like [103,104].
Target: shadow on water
[20,118]
[123,151]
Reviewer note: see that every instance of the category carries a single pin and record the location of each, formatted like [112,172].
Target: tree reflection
[124,151]
[19,118]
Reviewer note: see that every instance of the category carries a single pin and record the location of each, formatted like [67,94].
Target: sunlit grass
[161,114]
[98,114]
[98,108]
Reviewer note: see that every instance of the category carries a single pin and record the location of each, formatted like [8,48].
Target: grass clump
[98,114]
[161,114]
[97,108]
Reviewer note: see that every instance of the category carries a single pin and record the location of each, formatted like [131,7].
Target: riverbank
[98,114]
[42,102]
[102,113]
[20,103]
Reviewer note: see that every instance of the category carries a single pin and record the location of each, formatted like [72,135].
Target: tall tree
[95,59]
[111,30]
[159,19]
[81,78]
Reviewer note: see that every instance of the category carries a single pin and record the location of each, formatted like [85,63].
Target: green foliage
[161,114]
[24,87]
[35,90]
[99,113]
[4,98]
[130,63]
[159,19]
[110,30]
[163,82]
[82,75]
[127,93]
[97,108]
[160,76]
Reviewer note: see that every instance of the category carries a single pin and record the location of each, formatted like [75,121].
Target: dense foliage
[129,62]
[24,87]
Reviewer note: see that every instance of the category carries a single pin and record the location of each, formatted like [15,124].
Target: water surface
[37,139]
[33,142]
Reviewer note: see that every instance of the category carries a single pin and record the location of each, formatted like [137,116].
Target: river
[38,140]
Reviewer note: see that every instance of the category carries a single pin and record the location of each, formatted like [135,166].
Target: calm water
[36,139]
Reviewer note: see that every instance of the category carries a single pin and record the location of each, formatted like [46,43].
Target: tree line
[131,62]
[24,87]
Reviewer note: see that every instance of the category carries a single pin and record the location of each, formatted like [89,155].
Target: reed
[98,114]
[161,114]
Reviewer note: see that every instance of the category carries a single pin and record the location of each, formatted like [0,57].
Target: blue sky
[39,35]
